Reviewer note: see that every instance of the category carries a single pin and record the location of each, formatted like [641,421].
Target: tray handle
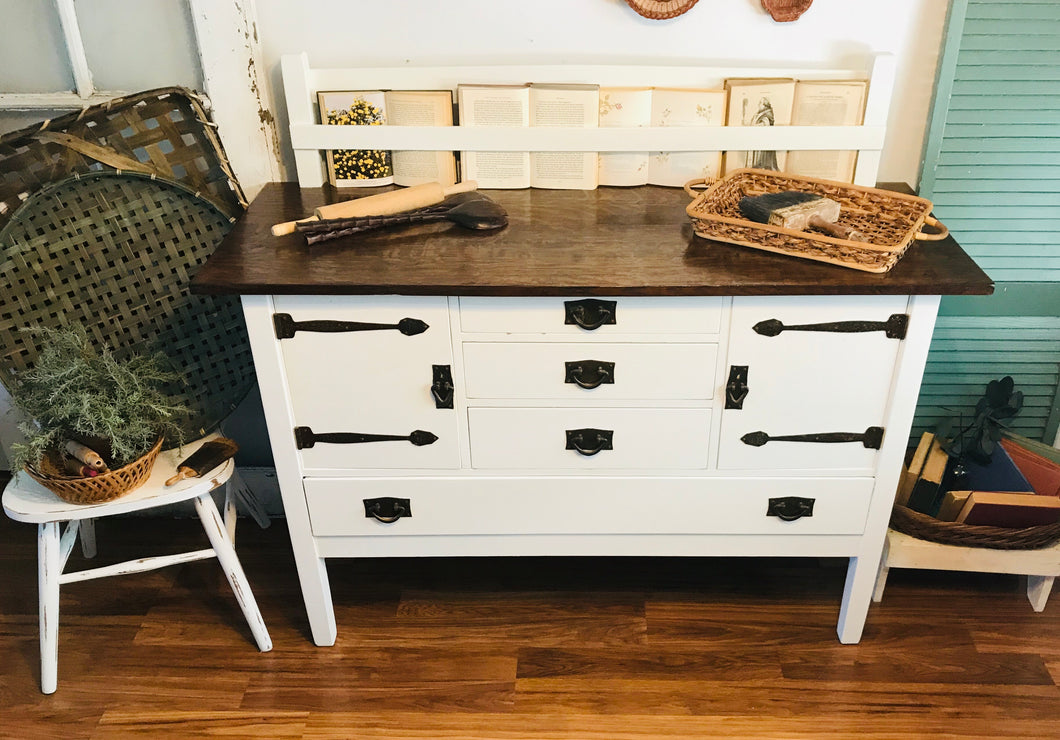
[941,232]
[702,182]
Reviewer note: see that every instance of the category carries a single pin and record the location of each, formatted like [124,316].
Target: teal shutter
[992,169]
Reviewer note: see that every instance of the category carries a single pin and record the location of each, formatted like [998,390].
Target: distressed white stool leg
[87,533]
[881,575]
[49,567]
[231,514]
[237,579]
[1038,588]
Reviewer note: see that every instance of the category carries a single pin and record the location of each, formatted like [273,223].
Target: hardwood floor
[565,649]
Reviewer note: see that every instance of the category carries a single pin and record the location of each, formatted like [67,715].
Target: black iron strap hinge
[286,326]
[894,327]
[305,438]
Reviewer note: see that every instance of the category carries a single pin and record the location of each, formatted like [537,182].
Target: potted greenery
[75,392]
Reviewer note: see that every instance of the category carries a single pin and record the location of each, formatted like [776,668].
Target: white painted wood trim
[140,565]
[59,101]
[301,84]
[905,389]
[237,86]
[75,48]
[1038,588]
[279,419]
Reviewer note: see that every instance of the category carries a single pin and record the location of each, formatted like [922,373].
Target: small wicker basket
[890,221]
[98,489]
[924,527]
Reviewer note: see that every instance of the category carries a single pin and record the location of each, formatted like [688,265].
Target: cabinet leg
[316,592]
[881,575]
[861,577]
[1038,588]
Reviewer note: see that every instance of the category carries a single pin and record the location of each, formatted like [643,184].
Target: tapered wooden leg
[49,567]
[237,579]
[87,532]
[861,577]
[881,575]
[1038,588]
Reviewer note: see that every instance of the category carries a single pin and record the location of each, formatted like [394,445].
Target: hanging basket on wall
[659,10]
[784,11]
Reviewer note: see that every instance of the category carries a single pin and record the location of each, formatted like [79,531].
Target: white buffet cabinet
[590,379]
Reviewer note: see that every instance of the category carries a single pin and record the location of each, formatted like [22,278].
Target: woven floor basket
[96,490]
[890,221]
[924,527]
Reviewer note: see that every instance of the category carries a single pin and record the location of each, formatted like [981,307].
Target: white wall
[345,33]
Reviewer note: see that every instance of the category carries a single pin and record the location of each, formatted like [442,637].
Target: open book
[826,103]
[633,107]
[370,167]
[758,102]
[530,105]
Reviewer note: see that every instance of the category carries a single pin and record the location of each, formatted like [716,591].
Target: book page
[421,108]
[624,107]
[685,107]
[765,102]
[826,103]
[564,106]
[495,105]
[356,167]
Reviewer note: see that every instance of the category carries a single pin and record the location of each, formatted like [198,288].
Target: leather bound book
[1004,509]
[1042,473]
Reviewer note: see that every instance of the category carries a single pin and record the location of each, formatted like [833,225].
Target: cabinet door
[369,381]
[810,371]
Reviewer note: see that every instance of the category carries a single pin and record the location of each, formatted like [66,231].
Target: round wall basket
[661,9]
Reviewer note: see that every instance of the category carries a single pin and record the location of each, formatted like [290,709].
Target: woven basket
[890,221]
[924,527]
[163,132]
[95,490]
[661,10]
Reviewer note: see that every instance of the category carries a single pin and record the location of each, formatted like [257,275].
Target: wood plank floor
[565,649]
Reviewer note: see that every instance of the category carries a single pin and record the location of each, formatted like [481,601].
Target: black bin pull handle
[589,373]
[387,509]
[589,442]
[790,508]
[442,386]
[590,313]
[286,326]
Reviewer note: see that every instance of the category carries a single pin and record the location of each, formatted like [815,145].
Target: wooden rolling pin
[384,204]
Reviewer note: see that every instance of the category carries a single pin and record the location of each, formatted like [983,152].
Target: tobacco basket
[95,490]
[924,527]
[890,221]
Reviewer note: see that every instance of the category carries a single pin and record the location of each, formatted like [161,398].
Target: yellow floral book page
[356,167]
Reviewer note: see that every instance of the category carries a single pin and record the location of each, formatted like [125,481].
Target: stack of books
[1019,487]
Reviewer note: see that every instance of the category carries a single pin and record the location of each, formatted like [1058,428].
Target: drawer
[586,505]
[546,439]
[629,315]
[624,371]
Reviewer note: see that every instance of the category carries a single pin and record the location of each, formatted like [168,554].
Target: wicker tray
[889,220]
[162,132]
[95,490]
[924,527]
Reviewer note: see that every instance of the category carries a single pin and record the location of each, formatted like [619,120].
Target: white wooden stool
[1039,566]
[25,500]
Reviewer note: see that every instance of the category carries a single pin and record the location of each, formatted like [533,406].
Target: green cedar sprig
[76,391]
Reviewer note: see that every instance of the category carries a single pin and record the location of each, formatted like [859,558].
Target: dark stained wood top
[610,241]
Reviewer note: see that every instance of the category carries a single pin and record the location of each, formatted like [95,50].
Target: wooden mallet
[797,211]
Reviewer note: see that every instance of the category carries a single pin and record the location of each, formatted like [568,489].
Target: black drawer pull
[287,326]
[790,508]
[589,373]
[894,327]
[442,386]
[387,509]
[872,438]
[588,442]
[590,313]
[305,438]
[736,389]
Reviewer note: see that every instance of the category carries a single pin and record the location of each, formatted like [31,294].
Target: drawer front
[589,371]
[549,439]
[809,381]
[586,505]
[629,315]
[373,382]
